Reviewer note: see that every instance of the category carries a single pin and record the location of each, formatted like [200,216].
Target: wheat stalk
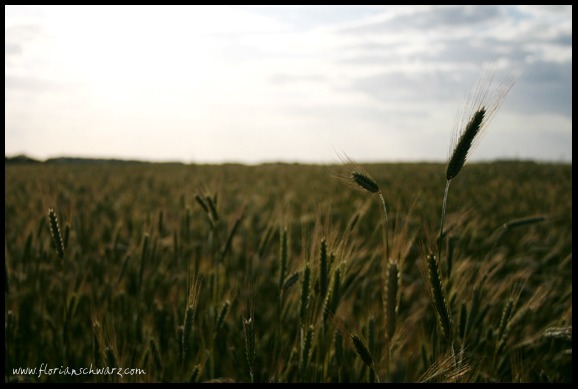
[249,332]
[194,377]
[221,318]
[364,181]
[290,281]
[306,344]
[391,291]
[323,269]
[360,179]
[438,296]
[333,296]
[283,255]
[363,353]
[55,232]
[190,313]
[154,350]
[481,105]
[305,291]
[96,341]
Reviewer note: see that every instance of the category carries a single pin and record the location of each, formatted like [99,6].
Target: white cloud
[252,83]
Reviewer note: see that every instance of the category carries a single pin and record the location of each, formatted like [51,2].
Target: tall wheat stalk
[481,105]
[357,178]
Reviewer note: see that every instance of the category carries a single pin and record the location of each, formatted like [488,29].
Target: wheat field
[281,273]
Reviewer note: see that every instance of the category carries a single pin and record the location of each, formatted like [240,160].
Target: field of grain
[279,273]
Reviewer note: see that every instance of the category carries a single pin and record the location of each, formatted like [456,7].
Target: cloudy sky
[283,83]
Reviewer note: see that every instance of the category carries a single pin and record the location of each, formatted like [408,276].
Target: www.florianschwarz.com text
[44,369]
